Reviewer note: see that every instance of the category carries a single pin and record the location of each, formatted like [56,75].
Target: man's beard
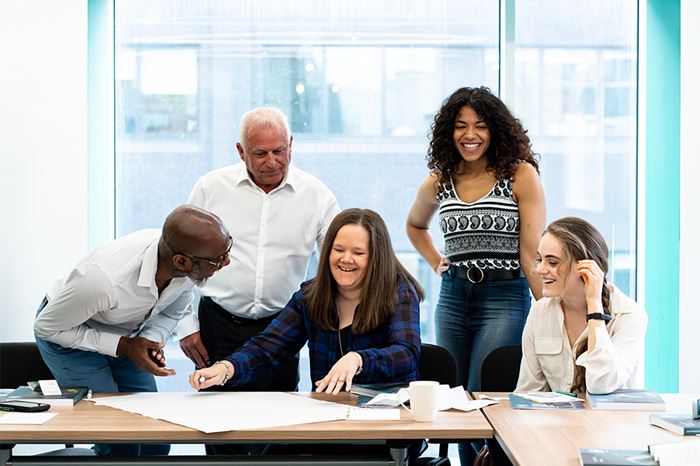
[200,282]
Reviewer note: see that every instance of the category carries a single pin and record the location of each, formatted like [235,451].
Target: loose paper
[50,387]
[223,411]
[371,414]
[448,398]
[26,418]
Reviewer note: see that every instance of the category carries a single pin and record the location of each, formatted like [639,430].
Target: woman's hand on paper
[340,374]
[208,377]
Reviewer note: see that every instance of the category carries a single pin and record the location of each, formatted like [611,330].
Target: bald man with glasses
[105,324]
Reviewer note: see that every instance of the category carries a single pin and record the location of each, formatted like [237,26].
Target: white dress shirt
[274,235]
[112,293]
[617,361]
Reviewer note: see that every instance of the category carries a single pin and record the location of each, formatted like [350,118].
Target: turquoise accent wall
[662,192]
[100,122]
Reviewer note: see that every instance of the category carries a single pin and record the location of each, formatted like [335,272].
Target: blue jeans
[102,374]
[474,319]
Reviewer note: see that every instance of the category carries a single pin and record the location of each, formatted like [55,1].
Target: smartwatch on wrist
[598,316]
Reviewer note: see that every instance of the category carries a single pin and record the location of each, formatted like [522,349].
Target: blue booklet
[372,390]
[68,397]
[677,423]
[518,402]
[628,399]
[607,457]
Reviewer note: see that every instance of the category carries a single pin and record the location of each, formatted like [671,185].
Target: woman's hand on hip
[443,266]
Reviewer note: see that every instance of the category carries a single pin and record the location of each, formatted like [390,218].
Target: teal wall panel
[662,227]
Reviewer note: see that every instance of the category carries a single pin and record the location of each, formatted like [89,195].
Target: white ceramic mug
[424,400]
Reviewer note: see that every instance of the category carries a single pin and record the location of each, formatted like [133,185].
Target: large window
[576,93]
[361,81]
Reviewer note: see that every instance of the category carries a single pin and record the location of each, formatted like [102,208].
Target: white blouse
[617,361]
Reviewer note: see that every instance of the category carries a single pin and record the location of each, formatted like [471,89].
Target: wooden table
[89,423]
[554,436]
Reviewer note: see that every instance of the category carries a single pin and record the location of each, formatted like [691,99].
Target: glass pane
[360,81]
[576,93]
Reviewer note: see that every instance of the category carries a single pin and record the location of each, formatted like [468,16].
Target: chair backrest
[21,363]
[436,363]
[500,369]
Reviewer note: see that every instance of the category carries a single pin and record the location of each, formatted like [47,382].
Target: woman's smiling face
[349,257]
[554,268]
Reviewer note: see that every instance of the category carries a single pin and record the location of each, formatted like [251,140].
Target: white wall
[689,299]
[43,152]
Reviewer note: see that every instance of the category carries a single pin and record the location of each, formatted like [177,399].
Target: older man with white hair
[277,213]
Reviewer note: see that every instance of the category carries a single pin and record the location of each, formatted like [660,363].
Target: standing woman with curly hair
[484,182]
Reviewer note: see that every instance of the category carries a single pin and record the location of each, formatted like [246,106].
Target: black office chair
[21,362]
[500,369]
[499,373]
[438,364]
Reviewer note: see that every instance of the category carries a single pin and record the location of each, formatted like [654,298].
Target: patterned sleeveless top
[485,233]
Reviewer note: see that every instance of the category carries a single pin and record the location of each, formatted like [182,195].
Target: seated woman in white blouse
[584,334]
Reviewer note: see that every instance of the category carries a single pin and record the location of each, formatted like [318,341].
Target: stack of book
[69,396]
[545,400]
[608,457]
[373,390]
[677,423]
[628,399]
[666,454]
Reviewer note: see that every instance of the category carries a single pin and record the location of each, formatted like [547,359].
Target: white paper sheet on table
[223,411]
[372,414]
[26,418]
[456,398]
[448,398]
[494,398]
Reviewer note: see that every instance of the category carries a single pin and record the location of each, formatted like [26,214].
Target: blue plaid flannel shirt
[389,353]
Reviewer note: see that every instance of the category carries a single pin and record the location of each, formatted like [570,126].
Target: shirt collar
[291,180]
[149,265]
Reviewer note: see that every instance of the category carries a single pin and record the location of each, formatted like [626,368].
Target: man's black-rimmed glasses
[219,262]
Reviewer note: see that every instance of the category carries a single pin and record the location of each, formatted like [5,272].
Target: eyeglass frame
[219,264]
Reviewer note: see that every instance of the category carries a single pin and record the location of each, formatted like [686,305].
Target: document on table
[26,418]
[373,414]
[456,398]
[223,411]
[448,398]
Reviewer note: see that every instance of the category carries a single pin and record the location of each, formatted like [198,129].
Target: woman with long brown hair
[584,335]
[360,316]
